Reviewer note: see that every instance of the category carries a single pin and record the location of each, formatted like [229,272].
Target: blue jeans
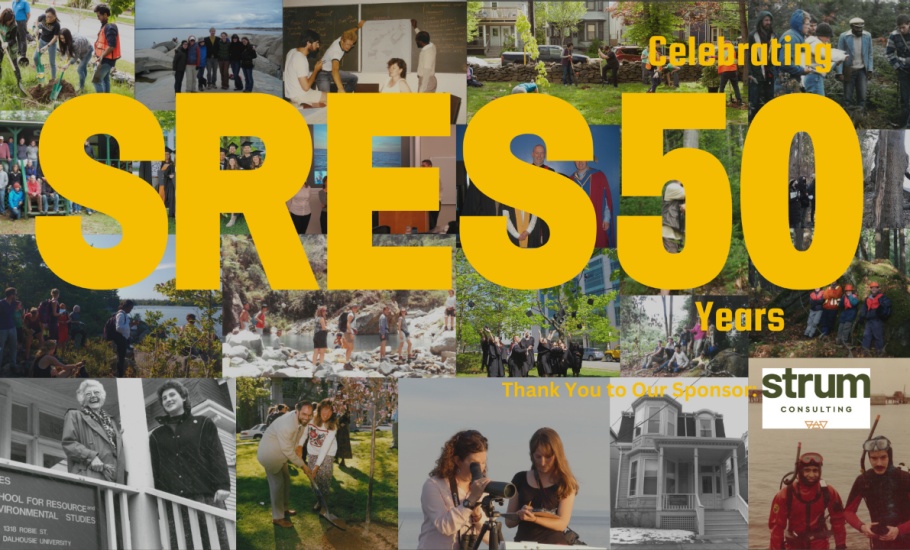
[235,68]
[9,346]
[568,74]
[248,78]
[51,197]
[855,84]
[814,83]
[325,82]
[77,208]
[2,200]
[103,86]
[82,70]
[874,334]
[52,54]
[15,213]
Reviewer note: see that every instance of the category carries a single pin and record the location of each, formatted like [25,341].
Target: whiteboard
[384,40]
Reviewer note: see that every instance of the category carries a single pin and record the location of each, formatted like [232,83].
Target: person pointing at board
[344,81]
[426,63]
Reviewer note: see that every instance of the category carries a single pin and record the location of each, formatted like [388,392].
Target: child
[525,88]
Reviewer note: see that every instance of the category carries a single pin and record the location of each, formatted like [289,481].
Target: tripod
[492,526]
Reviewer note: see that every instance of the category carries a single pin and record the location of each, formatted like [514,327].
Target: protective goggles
[880,443]
[810,459]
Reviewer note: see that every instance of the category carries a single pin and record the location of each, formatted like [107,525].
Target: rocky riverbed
[155,76]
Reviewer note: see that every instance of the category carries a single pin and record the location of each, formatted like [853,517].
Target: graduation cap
[529,313]
[234,145]
[235,157]
[223,150]
[590,301]
[256,154]
[168,150]
[470,303]
[579,325]
[246,144]
[573,314]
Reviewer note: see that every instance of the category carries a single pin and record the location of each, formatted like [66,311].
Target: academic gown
[170,188]
[496,356]
[543,359]
[528,343]
[485,352]
[594,182]
[537,228]
[517,359]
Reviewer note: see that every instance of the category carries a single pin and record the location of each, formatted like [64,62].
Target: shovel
[59,85]
[15,65]
[39,68]
[330,517]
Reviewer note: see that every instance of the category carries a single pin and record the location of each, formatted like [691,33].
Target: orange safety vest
[101,45]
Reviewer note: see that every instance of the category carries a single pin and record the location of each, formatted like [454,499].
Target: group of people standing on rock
[554,357]
[840,304]
[801,510]
[200,62]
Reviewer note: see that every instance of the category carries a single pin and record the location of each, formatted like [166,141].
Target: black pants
[178,81]
[301,223]
[324,222]
[730,77]
[22,27]
[614,76]
[122,344]
[759,94]
[434,217]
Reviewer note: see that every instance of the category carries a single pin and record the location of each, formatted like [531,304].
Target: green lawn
[598,104]
[11,99]
[347,500]
[96,224]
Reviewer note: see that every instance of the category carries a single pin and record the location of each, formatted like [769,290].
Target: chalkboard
[330,22]
[445,21]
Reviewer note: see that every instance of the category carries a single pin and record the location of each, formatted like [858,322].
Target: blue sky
[175,14]
[145,289]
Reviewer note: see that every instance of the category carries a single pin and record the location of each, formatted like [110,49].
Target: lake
[773,453]
[172,312]
[365,342]
[146,38]
[592,528]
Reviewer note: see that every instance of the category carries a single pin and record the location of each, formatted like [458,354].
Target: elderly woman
[91,437]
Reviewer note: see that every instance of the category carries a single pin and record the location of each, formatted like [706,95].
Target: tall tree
[564,16]
[474,9]
[890,165]
[882,245]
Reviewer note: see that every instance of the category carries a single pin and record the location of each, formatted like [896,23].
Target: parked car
[627,54]
[551,54]
[591,354]
[478,62]
[254,433]
[611,355]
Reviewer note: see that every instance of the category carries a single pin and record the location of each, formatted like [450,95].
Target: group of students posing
[840,304]
[554,357]
[541,507]
[200,62]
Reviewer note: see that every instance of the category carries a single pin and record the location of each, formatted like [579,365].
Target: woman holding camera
[548,487]
[450,499]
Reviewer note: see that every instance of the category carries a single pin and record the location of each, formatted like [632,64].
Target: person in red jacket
[797,520]
[833,295]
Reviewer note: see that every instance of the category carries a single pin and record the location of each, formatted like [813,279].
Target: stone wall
[590,74]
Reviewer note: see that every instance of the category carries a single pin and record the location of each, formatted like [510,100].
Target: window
[50,426]
[654,419]
[650,486]
[494,5]
[706,427]
[592,31]
[18,452]
[671,423]
[706,487]
[495,31]
[670,469]
[20,418]
[633,478]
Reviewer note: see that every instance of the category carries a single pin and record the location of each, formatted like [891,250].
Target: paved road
[600,365]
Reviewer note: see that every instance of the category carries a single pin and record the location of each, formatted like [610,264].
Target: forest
[649,319]
[882,97]
[881,256]
[726,145]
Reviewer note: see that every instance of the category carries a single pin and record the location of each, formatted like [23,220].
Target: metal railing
[499,13]
[109,492]
[199,515]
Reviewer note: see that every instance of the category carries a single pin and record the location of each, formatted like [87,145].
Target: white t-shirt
[296,67]
[450,301]
[333,53]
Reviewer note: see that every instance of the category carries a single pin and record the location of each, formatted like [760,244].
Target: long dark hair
[332,422]
[459,446]
[548,443]
[67,48]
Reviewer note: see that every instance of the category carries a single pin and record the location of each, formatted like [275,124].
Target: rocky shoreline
[155,76]
[245,353]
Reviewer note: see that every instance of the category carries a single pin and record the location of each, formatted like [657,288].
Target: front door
[711,490]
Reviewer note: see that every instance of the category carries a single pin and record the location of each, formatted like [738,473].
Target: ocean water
[146,38]
[773,454]
[380,160]
[592,528]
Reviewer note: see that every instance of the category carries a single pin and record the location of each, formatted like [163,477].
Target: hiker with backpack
[876,311]
[117,330]
[48,311]
[346,328]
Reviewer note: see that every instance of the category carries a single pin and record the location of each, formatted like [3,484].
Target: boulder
[263,65]
[149,60]
[165,47]
[247,339]
[443,342]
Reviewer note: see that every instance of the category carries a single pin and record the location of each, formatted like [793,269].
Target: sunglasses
[811,459]
[877,444]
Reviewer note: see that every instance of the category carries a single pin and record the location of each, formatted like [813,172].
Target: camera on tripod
[496,492]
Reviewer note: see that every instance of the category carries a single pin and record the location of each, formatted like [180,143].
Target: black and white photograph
[118,463]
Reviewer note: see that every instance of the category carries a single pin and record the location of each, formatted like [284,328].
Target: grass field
[598,104]
[347,500]
[96,224]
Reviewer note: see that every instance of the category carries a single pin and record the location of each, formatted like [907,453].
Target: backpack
[343,322]
[44,311]
[110,327]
